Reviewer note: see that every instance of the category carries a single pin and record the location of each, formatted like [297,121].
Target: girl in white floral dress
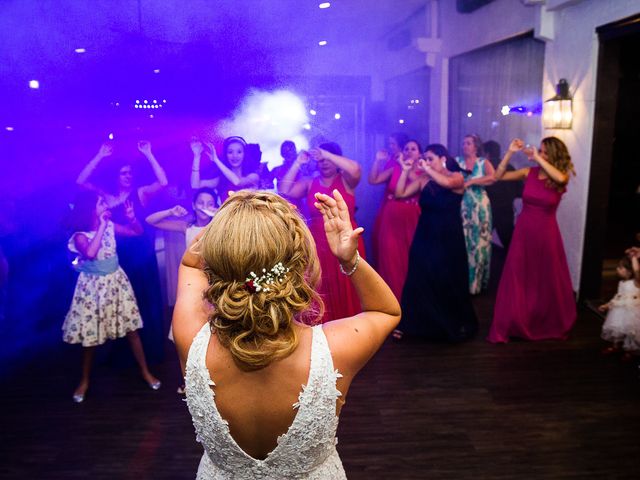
[104,306]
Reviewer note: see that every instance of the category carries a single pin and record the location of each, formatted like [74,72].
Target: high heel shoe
[79,397]
[155,385]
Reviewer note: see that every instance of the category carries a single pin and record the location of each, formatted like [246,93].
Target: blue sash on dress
[97,267]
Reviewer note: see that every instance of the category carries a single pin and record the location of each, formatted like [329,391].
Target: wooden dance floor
[551,410]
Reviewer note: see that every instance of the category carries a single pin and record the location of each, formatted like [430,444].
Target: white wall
[573,54]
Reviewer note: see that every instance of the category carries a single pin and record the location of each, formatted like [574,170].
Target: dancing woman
[476,211]
[535,298]
[435,300]
[397,221]
[136,254]
[236,171]
[335,172]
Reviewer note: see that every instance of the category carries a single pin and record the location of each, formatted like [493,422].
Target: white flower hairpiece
[256,283]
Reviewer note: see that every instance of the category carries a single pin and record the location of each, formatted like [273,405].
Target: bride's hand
[342,238]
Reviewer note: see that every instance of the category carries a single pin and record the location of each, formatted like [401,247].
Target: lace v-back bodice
[306,451]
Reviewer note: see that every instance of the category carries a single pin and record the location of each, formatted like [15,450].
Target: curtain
[484,81]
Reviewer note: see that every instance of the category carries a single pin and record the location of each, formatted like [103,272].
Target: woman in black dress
[435,301]
[136,254]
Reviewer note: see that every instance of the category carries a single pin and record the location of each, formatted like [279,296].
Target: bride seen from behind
[246,298]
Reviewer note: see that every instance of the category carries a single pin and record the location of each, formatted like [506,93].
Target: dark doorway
[613,215]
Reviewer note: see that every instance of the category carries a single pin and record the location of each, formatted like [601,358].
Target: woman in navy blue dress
[435,301]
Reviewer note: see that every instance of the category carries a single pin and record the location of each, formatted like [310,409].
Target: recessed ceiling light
[324,5]
[337,116]
[401,121]
[469,114]
[322,43]
[9,129]
[80,50]
[157,70]
[34,84]
[312,112]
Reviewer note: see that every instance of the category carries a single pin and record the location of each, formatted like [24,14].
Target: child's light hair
[251,231]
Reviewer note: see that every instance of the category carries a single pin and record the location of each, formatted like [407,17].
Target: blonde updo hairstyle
[252,231]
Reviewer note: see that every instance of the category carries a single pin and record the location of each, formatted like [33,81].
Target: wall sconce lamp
[558,111]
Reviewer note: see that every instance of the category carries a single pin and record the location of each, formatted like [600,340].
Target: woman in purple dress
[535,298]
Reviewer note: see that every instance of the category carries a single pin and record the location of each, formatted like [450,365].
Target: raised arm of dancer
[635,265]
[160,219]
[250,181]
[455,181]
[487,179]
[501,173]
[354,340]
[161,177]
[133,228]
[634,255]
[404,187]
[196,182]
[288,185]
[351,171]
[561,178]
[380,171]
[89,248]
[83,179]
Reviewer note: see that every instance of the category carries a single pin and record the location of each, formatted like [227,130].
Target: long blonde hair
[559,157]
[252,231]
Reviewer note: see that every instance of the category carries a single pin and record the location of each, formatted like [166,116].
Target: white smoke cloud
[269,118]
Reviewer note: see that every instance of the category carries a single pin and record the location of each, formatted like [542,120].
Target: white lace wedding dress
[306,451]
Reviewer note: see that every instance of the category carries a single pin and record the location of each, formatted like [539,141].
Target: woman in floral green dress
[476,211]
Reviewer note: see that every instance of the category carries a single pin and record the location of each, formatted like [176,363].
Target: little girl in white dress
[622,325]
